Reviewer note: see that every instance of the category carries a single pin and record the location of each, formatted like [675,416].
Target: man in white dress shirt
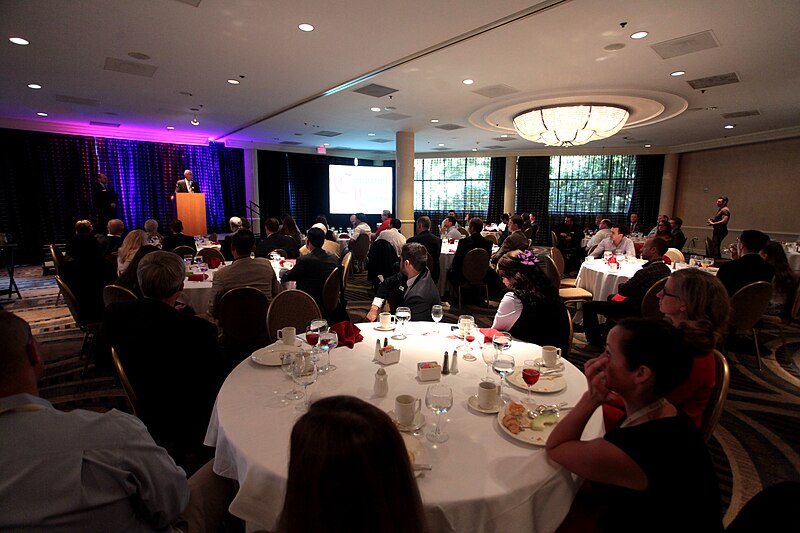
[361,226]
[603,233]
[617,243]
[450,228]
[393,235]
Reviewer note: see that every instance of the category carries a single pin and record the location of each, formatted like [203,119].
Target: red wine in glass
[530,376]
[312,338]
[470,338]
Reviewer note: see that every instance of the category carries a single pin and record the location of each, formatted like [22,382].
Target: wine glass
[403,315]
[530,375]
[328,341]
[287,359]
[439,399]
[503,365]
[304,373]
[318,326]
[488,358]
[501,341]
[437,313]
[466,329]
[312,336]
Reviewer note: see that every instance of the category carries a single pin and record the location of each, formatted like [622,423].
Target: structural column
[669,183]
[404,184]
[510,190]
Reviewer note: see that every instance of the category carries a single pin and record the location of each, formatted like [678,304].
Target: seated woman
[129,279]
[697,303]
[531,311]
[784,284]
[349,471]
[652,472]
[664,231]
[133,241]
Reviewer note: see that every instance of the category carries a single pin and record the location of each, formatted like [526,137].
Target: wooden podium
[192,212]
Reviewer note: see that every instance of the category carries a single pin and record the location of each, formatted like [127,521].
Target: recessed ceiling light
[42,114]
[233,82]
[474,149]
[647,146]
[504,136]
[468,81]
[195,122]
[371,134]
[729,126]
[170,127]
[441,144]
[678,73]
[19,40]
[34,86]
[375,109]
[639,35]
[305,27]
[326,144]
[434,120]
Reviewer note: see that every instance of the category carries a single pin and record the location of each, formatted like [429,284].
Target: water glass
[304,373]
[327,342]
[287,359]
[439,399]
[437,313]
[403,315]
[503,365]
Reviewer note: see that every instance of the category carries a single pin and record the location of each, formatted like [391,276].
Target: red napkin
[488,334]
[198,277]
[215,262]
[667,260]
[348,333]
[344,236]
[618,298]
[285,262]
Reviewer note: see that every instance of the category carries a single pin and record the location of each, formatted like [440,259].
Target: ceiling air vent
[326,133]
[742,114]
[440,149]
[686,45]
[495,147]
[381,141]
[714,81]
[105,124]
[373,89]
[129,67]
[194,3]
[504,139]
[450,127]
[495,91]
[393,116]
[290,143]
[76,100]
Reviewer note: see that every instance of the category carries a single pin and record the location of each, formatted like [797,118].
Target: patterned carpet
[756,444]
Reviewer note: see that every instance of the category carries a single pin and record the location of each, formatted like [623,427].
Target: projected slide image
[359,189]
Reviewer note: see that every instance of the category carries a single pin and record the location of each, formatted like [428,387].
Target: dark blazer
[419,298]
[173,364]
[475,240]
[171,242]
[225,247]
[311,271]
[433,244]
[103,197]
[275,241]
[515,241]
[747,269]
[109,243]
[678,239]
[180,186]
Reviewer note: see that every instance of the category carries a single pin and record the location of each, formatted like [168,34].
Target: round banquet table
[601,281]
[482,479]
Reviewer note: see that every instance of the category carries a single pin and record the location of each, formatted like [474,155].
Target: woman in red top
[696,302]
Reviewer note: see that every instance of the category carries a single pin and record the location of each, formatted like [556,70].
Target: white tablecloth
[597,278]
[482,480]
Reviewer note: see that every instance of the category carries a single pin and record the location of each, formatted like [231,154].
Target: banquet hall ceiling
[298,90]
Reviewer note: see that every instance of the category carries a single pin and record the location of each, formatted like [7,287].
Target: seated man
[153,236]
[749,267]
[171,358]
[450,228]
[177,238]
[617,243]
[77,470]
[235,224]
[632,291]
[502,227]
[275,240]
[569,235]
[516,240]
[472,241]
[312,269]
[111,242]
[635,226]
[431,242]
[86,272]
[678,238]
[386,222]
[360,227]
[413,287]
[603,232]
[393,235]
[244,272]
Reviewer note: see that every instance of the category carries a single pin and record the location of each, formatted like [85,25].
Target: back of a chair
[475,265]
[794,309]
[58,258]
[126,385]
[553,239]
[281,252]
[71,301]
[115,293]
[650,301]
[675,255]
[493,237]
[330,291]
[571,333]
[429,262]
[346,260]
[528,233]
[748,304]
[558,259]
[208,253]
[716,402]
[291,308]
[709,247]
[360,247]
[184,250]
[463,231]
[242,315]
[551,270]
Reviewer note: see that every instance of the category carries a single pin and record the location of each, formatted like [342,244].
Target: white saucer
[539,361]
[472,401]
[419,421]
[271,355]
[379,328]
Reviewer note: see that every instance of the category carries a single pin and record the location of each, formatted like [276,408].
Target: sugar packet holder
[429,371]
[387,356]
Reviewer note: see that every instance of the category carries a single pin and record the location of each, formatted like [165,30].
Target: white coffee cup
[488,394]
[550,356]
[406,408]
[387,320]
[287,335]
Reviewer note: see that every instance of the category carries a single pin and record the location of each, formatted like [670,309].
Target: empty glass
[287,359]
[304,373]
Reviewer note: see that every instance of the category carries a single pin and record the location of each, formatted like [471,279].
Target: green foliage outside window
[460,184]
[591,183]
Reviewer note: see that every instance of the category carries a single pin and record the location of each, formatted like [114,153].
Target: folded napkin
[215,262]
[198,277]
[348,333]
[667,260]
[618,298]
[488,334]
[285,262]
[344,236]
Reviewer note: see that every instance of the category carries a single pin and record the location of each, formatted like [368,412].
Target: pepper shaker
[446,364]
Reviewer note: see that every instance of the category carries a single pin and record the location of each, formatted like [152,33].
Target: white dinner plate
[546,384]
[271,355]
[540,363]
[527,435]
[472,401]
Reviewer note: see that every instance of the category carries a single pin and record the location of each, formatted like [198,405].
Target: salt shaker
[454,363]
[381,387]
[377,348]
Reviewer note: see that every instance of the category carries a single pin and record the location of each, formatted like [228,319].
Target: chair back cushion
[475,265]
[748,304]
[115,293]
[716,402]
[291,308]
[184,250]
[208,253]
[675,255]
[360,247]
[650,301]
[330,291]
[242,315]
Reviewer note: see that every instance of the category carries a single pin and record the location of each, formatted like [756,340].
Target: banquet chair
[553,239]
[89,329]
[709,247]
[360,249]
[571,334]
[331,291]
[58,260]
[115,293]
[558,259]
[570,295]
[281,252]
[473,272]
[463,231]
[650,301]
[184,250]
[675,255]
[208,253]
[130,394]
[291,308]
[528,233]
[493,237]
[346,262]
[747,307]
[242,317]
[792,312]
[716,402]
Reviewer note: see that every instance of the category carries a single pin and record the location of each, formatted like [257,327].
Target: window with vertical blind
[591,183]
[460,184]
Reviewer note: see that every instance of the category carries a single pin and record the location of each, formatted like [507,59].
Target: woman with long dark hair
[784,284]
[289,227]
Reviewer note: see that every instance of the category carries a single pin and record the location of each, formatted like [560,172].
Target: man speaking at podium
[186,184]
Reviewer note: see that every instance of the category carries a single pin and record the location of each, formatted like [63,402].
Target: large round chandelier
[570,125]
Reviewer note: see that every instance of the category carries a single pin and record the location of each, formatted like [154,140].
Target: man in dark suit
[678,237]
[275,240]
[569,235]
[516,239]
[171,358]
[177,238]
[187,184]
[111,242]
[105,201]
[312,269]
[413,287]
[86,272]
[472,241]
[749,267]
[431,242]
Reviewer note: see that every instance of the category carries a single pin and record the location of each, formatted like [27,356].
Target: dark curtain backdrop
[47,183]
[297,184]
[533,192]
[647,188]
